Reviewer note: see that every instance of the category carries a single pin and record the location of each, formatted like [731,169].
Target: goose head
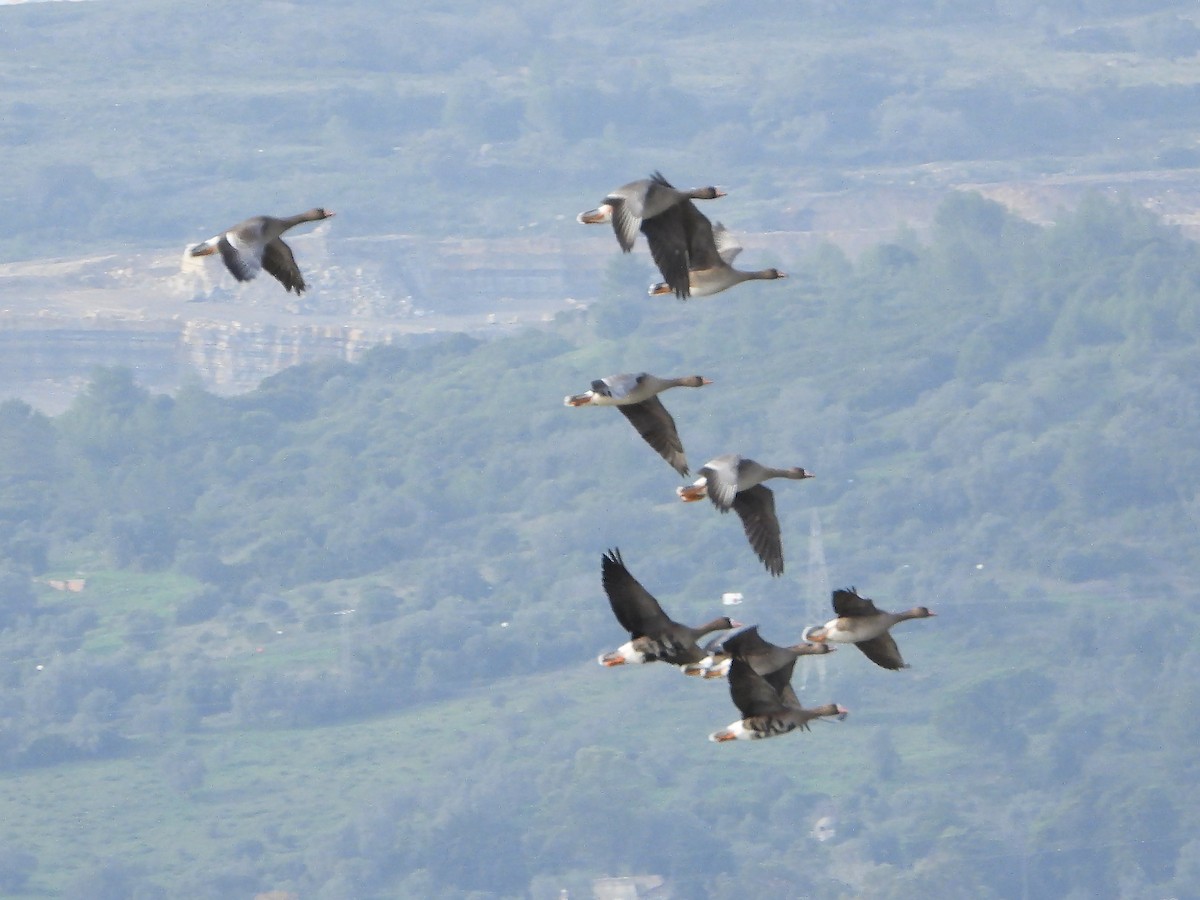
[832,711]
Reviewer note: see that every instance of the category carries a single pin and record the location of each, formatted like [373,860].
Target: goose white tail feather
[736,731]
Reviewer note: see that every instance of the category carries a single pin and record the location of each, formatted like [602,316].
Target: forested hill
[1002,422]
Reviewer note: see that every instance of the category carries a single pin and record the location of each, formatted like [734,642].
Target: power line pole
[816,607]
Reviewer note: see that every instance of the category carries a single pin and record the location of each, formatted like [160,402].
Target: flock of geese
[695,259]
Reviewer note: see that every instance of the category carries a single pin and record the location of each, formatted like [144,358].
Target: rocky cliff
[170,317]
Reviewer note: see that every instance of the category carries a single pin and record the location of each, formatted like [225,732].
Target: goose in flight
[734,482]
[636,396]
[711,251]
[768,705]
[747,644]
[860,623]
[257,244]
[641,205]
[653,635]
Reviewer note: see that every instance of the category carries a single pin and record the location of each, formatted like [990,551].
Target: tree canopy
[389,571]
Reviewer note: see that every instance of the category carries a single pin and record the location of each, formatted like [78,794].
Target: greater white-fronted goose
[641,205]
[711,252]
[858,622]
[653,635]
[734,482]
[636,396]
[768,705]
[746,643]
[256,244]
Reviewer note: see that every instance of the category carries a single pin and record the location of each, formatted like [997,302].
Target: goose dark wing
[278,260]
[655,424]
[667,237]
[846,602]
[882,651]
[780,680]
[788,698]
[756,508]
[717,644]
[763,656]
[633,605]
[745,643]
[752,694]
[702,249]
[657,195]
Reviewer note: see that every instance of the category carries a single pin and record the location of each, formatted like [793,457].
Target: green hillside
[338,635]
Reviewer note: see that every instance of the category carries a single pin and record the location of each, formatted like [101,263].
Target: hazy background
[334,635]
